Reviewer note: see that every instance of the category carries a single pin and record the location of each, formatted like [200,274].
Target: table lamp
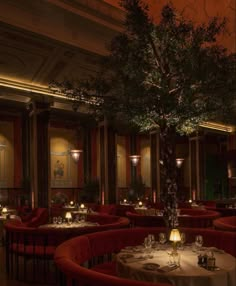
[4,211]
[68,216]
[82,206]
[71,203]
[175,237]
[140,204]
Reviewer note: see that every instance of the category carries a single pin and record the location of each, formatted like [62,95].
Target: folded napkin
[167,268]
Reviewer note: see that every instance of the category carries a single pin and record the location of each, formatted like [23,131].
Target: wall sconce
[134,159]
[75,154]
[179,162]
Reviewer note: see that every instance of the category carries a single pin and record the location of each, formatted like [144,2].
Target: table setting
[188,264]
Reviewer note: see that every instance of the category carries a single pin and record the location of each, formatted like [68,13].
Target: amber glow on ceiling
[218,126]
[23,86]
[43,90]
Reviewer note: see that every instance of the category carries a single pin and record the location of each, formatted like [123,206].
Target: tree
[169,75]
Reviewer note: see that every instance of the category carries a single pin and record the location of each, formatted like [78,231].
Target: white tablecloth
[188,274]
[66,225]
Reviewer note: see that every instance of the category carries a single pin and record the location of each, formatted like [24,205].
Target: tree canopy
[172,73]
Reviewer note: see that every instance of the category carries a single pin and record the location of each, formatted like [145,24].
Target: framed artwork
[61,169]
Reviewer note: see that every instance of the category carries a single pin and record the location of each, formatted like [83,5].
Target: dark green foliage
[90,192]
[137,189]
[171,75]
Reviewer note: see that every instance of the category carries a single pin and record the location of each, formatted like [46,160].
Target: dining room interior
[117,142]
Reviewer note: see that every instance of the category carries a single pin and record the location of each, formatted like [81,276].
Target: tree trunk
[168,175]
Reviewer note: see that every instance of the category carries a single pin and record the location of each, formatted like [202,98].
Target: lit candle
[125,201]
[140,204]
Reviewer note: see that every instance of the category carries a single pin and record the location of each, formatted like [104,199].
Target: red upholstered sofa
[197,218]
[73,257]
[24,242]
[225,223]
[37,217]
[145,220]
[188,218]
[89,259]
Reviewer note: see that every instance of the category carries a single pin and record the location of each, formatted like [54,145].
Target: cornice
[94,10]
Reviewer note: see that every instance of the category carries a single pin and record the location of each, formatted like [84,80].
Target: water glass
[182,240]
[54,220]
[198,242]
[59,220]
[162,238]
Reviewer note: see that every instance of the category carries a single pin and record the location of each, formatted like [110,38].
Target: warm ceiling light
[218,126]
[30,88]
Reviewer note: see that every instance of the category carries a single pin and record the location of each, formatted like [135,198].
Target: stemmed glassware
[182,240]
[162,238]
[198,242]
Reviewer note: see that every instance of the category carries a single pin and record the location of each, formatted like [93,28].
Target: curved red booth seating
[197,218]
[25,243]
[145,220]
[225,223]
[77,258]
[37,217]
[188,218]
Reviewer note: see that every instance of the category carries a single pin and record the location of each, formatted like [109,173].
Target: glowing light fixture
[68,216]
[75,154]
[134,159]
[4,210]
[179,162]
[175,237]
[140,204]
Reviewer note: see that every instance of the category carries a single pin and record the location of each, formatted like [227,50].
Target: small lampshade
[179,162]
[68,215]
[134,159]
[75,154]
[175,235]
[82,206]
[71,203]
[4,210]
[140,204]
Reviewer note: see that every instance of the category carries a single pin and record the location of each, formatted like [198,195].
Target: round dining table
[69,225]
[136,263]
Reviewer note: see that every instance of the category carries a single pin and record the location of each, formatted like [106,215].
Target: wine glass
[162,238]
[152,239]
[182,240]
[147,245]
[54,220]
[198,241]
